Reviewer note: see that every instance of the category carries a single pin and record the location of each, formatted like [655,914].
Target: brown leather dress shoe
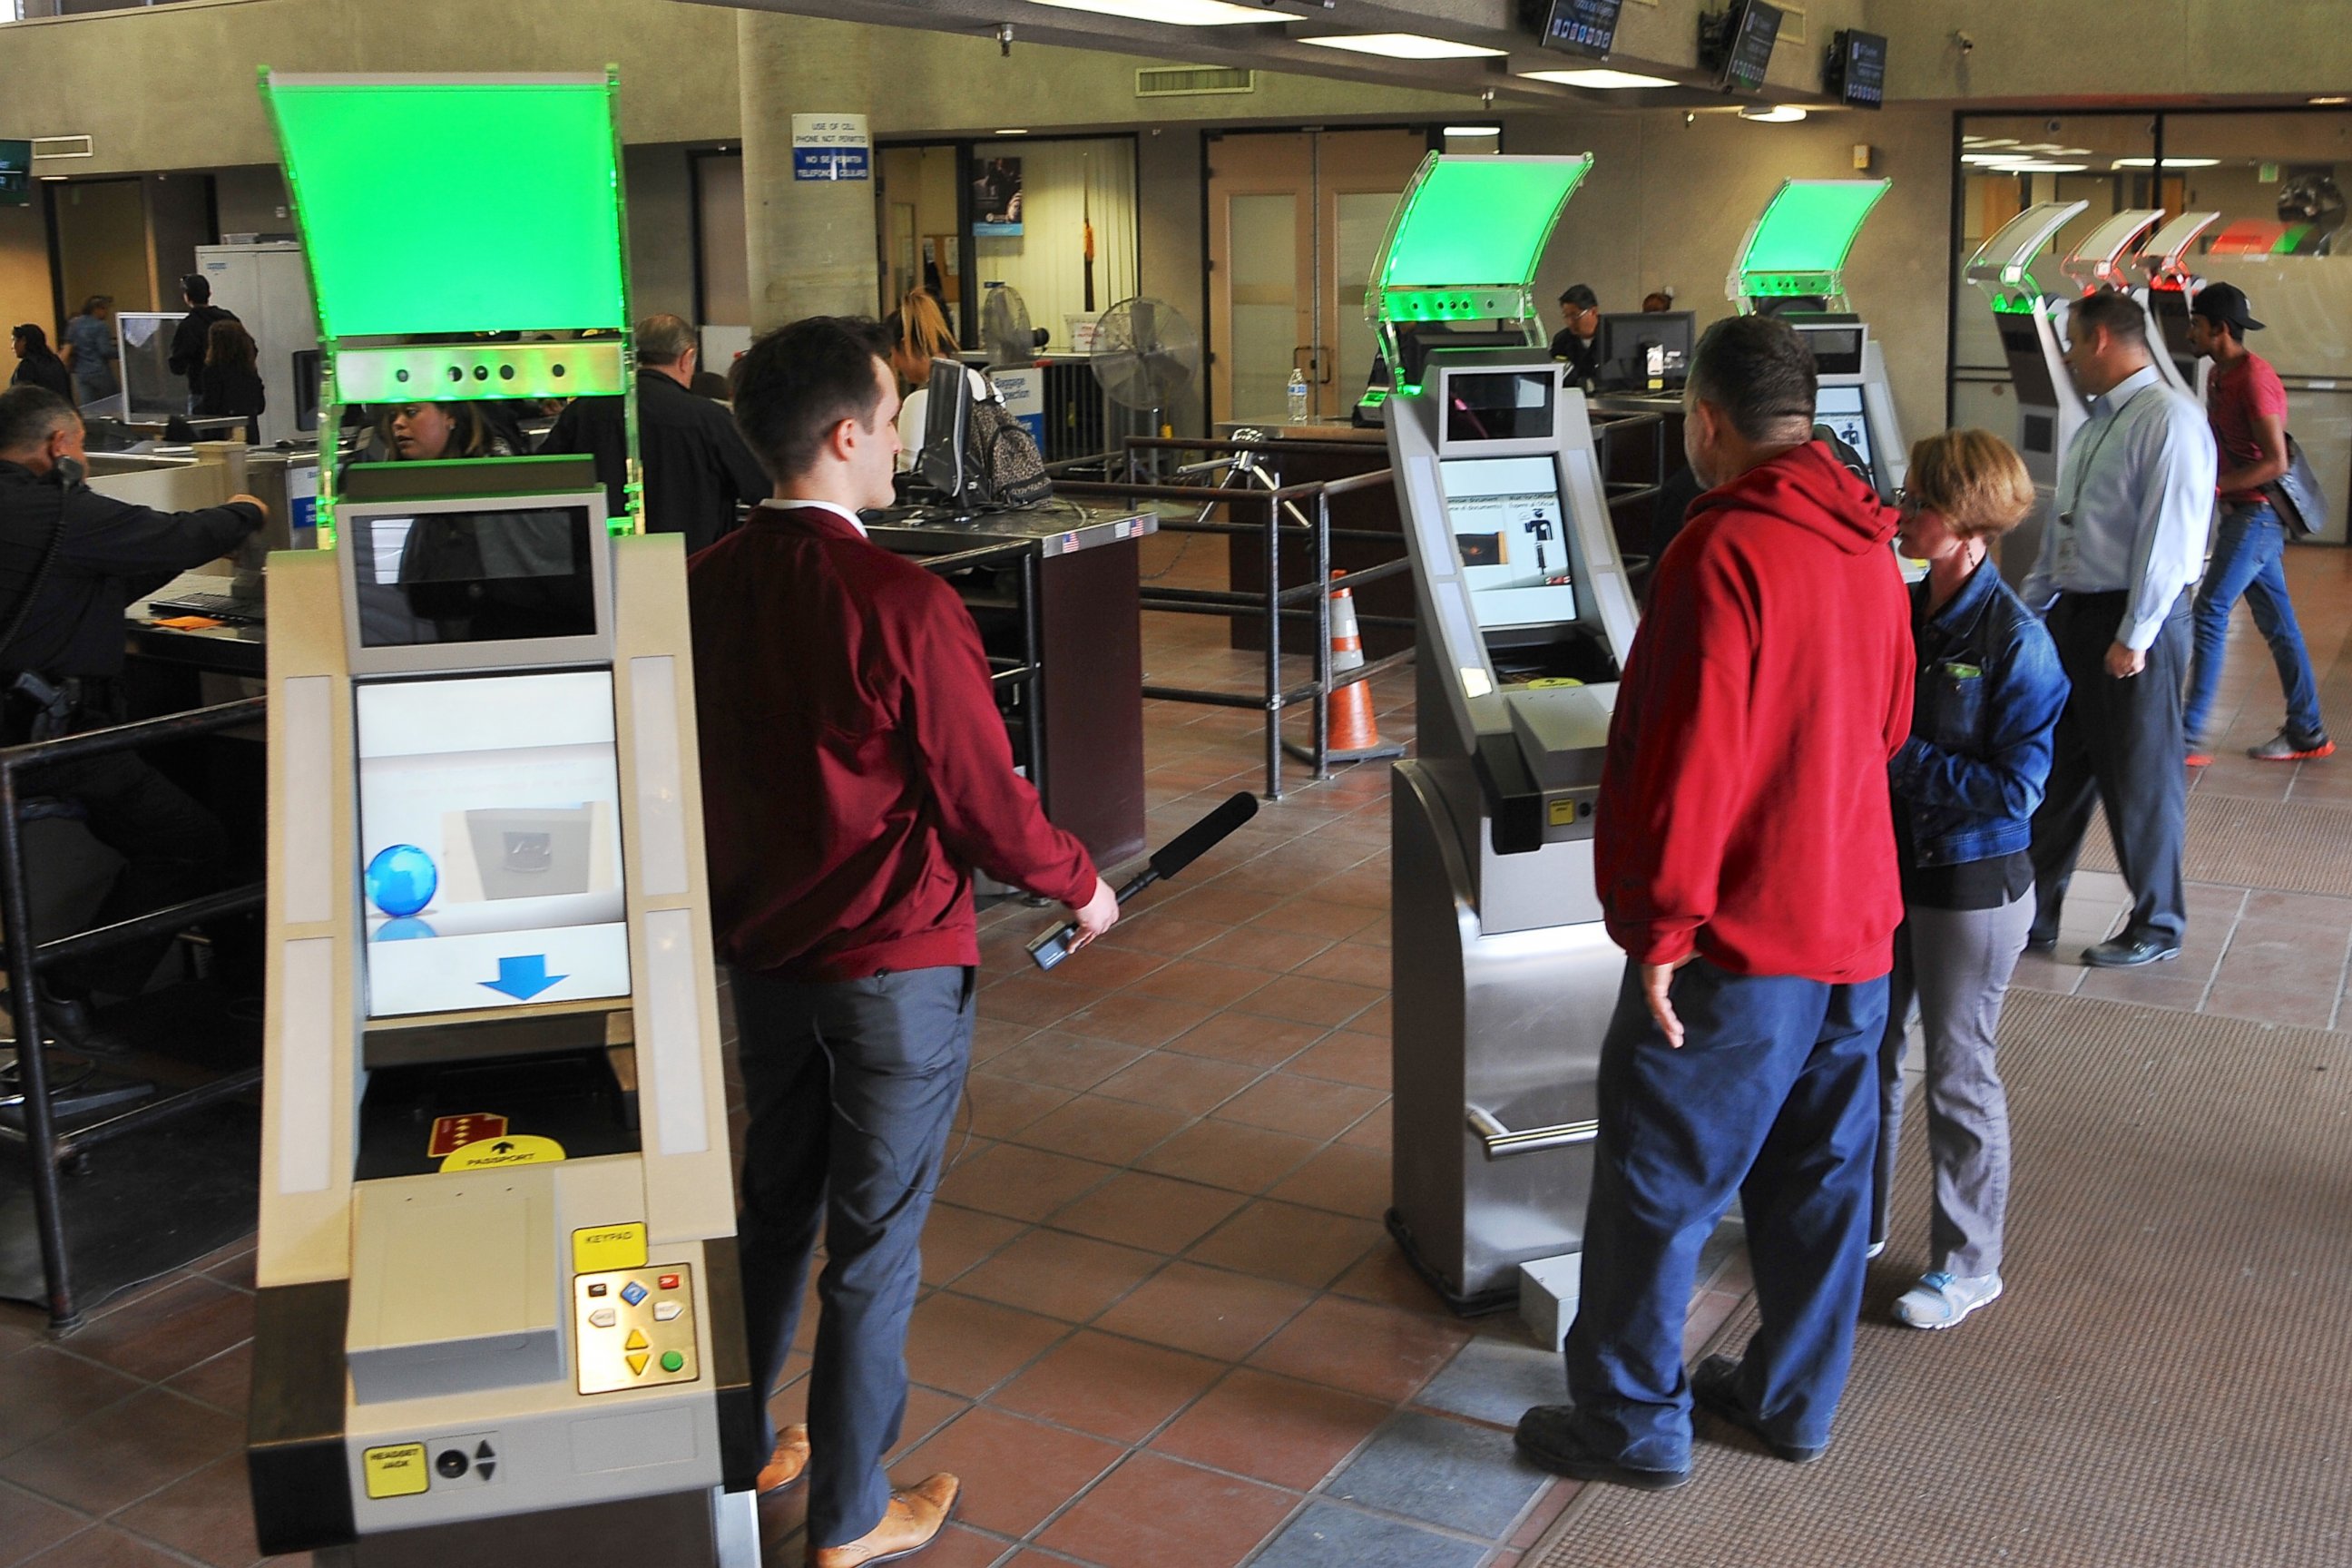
[912,1522]
[789,1463]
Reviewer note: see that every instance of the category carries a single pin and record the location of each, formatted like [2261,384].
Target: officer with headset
[72,563]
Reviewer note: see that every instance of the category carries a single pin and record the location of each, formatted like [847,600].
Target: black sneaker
[1548,1436]
[1715,1388]
[2286,747]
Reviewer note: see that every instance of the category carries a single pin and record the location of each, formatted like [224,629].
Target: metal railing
[1298,515]
[47,1150]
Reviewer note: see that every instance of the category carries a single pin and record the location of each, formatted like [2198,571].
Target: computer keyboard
[219,606]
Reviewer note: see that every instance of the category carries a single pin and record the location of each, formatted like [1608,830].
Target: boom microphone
[1049,947]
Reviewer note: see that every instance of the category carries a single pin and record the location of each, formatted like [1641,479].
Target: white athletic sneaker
[1942,1299]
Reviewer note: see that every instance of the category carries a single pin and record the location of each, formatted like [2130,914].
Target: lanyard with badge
[2068,549]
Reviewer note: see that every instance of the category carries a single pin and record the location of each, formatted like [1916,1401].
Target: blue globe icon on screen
[401,879]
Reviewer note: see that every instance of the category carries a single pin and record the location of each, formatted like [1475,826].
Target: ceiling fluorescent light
[1474,131]
[1405,46]
[2332,97]
[1015,130]
[1175,13]
[2035,166]
[1777,114]
[2169,163]
[1989,141]
[1599,78]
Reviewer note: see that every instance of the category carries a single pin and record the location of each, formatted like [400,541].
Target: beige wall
[1667,205]
[2058,49]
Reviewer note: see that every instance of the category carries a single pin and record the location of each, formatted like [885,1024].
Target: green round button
[672,1361]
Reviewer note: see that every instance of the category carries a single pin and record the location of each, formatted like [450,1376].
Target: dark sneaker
[1715,1388]
[2129,952]
[1548,1436]
[2284,747]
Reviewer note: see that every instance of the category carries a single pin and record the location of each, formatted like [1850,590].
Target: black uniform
[109,555]
[193,337]
[1582,354]
[44,370]
[696,466]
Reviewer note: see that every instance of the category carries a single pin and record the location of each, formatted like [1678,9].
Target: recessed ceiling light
[1992,160]
[2169,163]
[1598,76]
[1989,141]
[1474,131]
[2036,166]
[1016,131]
[1774,115]
[1175,13]
[1403,47]
[2332,97]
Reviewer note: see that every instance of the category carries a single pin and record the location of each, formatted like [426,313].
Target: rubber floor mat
[2286,846]
[2164,1383]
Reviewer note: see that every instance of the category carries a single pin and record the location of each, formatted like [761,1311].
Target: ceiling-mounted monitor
[1586,28]
[1856,72]
[16,171]
[1737,44]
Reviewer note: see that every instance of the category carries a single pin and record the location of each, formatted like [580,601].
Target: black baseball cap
[2225,302]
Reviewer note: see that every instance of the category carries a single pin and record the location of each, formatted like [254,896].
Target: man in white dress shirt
[2135,501]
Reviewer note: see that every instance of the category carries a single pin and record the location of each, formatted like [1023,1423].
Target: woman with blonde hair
[1985,705]
[918,334]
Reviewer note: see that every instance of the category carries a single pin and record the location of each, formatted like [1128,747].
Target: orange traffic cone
[1354,735]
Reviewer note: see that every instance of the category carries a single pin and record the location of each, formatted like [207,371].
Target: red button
[669,1281]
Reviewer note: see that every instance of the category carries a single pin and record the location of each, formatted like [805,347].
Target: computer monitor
[490,842]
[1415,342]
[430,581]
[1737,44]
[1857,69]
[1639,348]
[1587,28]
[947,460]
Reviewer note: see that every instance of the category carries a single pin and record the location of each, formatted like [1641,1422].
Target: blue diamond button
[633,1292]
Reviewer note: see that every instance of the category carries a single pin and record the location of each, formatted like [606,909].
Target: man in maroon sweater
[1745,852]
[855,772]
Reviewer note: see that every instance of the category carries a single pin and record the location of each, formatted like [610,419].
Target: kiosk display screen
[1499,406]
[490,842]
[1579,26]
[493,575]
[1840,409]
[1751,30]
[1858,69]
[1511,532]
[16,171]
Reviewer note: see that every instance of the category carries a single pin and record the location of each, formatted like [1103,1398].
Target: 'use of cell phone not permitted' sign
[830,147]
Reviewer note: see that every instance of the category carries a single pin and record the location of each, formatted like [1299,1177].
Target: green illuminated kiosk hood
[1464,243]
[1797,246]
[438,282]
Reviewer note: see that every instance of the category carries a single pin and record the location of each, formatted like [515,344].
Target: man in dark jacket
[697,467]
[1744,848]
[855,772]
[194,335]
[72,563]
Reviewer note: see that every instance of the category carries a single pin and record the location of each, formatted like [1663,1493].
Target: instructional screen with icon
[1512,533]
[490,842]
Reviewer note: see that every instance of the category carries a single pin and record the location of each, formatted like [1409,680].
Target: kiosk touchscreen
[1503,974]
[1792,265]
[498,1314]
[2032,323]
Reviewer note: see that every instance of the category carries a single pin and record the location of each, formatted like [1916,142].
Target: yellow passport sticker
[600,1248]
[398,1470]
[514,1148]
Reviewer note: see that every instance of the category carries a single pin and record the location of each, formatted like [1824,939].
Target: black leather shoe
[1715,1388]
[1548,1436]
[2041,942]
[2130,952]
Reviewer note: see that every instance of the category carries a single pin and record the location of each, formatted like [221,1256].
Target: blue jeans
[1773,1096]
[851,1088]
[2248,550]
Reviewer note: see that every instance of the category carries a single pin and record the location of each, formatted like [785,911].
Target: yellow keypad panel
[634,1328]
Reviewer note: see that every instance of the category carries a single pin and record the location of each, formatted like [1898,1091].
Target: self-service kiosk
[1504,977]
[2167,294]
[2031,324]
[1792,265]
[498,1315]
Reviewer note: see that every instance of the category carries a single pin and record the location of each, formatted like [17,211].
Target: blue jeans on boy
[2249,548]
[1773,1097]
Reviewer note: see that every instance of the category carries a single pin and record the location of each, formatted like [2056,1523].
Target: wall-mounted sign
[830,147]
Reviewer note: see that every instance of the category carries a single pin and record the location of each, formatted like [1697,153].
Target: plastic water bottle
[1297,395]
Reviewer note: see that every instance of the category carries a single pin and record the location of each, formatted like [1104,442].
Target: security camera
[1004,39]
[1966,44]
[2050,128]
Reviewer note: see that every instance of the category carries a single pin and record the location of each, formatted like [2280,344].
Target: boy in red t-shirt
[2247,408]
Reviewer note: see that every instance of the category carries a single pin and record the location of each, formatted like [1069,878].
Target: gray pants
[1956,963]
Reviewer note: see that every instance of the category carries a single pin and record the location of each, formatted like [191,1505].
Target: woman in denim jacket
[1965,785]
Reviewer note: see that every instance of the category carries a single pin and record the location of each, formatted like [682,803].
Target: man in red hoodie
[1745,852]
[854,771]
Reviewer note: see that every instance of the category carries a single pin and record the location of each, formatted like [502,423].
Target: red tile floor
[1163,1323]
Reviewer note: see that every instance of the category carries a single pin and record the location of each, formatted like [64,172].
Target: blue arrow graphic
[524,978]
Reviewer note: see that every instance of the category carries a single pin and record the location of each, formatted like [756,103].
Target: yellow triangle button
[636,1363]
[636,1340]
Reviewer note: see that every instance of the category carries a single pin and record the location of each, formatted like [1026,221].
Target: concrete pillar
[813,246]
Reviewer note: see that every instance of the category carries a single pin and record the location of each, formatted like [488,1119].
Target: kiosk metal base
[682,1529]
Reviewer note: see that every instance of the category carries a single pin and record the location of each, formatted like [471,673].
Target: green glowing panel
[1809,226]
[442,207]
[1476,220]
